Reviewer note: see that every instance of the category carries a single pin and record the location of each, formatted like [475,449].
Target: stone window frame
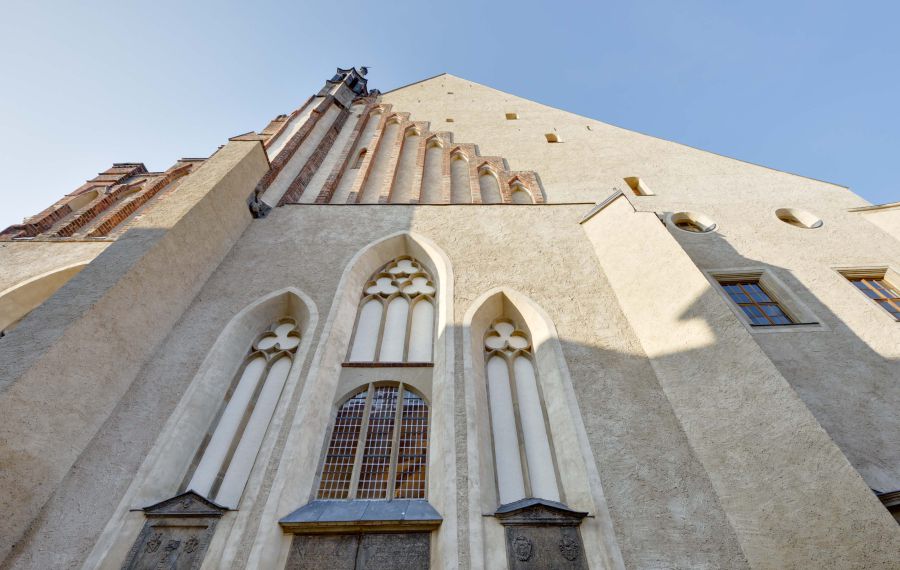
[805,320]
[330,378]
[533,441]
[884,272]
[579,481]
[260,378]
[164,468]
[372,294]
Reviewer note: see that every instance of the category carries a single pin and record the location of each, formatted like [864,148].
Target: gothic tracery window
[517,416]
[224,462]
[379,446]
[395,322]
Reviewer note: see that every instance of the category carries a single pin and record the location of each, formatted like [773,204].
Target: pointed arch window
[518,419]
[379,445]
[226,457]
[395,322]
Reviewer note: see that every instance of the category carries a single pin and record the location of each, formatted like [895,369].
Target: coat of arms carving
[523,548]
[568,547]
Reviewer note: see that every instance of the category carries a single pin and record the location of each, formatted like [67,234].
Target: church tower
[443,326]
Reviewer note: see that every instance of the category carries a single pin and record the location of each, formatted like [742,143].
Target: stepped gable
[388,165]
[98,208]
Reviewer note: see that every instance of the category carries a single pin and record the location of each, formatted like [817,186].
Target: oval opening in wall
[799,218]
[692,222]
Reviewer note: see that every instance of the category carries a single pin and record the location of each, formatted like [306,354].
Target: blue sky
[807,87]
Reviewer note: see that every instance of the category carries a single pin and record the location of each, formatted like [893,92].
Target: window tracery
[223,464]
[395,322]
[517,416]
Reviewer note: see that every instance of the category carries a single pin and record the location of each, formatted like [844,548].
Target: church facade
[444,326]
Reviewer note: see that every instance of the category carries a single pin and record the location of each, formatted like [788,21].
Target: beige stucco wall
[33,271]
[661,501]
[67,364]
[835,372]
[593,156]
[888,219]
[25,260]
[744,421]
[675,499]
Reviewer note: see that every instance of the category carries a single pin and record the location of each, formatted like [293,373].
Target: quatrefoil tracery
[283,336]
[503,336]
[404,275]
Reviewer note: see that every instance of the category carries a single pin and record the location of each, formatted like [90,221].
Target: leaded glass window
[379,446]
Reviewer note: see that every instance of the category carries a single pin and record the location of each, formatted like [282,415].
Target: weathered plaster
[73,357]
[694,469]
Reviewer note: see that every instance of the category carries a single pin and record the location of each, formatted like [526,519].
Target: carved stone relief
[542,534]
[333,551]
[367,551]
[544,547]
[176,534]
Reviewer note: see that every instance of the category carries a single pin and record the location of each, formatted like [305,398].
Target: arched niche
[332,377]
[169,465]
[433,172]
[19,300]
[380,164]
[574,466]
[489,185]
[361,151]
[520,194]
[460,187]
[82,200]
[405,171]
[359,159]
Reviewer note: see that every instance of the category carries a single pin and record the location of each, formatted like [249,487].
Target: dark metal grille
[376,460]
[756,303]
[413,448]
[338,470]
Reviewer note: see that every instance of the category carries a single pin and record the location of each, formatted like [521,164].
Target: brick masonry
[126,188]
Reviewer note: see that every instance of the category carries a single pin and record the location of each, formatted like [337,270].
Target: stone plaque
[369,551]
[331,551]
[544,547]
[542,534]
[176,534]
[400,551]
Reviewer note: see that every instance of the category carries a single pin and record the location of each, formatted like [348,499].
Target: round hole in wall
[692,222]
[799,218]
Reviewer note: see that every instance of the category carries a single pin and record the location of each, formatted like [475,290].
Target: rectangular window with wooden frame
[756,303]
[878,289]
